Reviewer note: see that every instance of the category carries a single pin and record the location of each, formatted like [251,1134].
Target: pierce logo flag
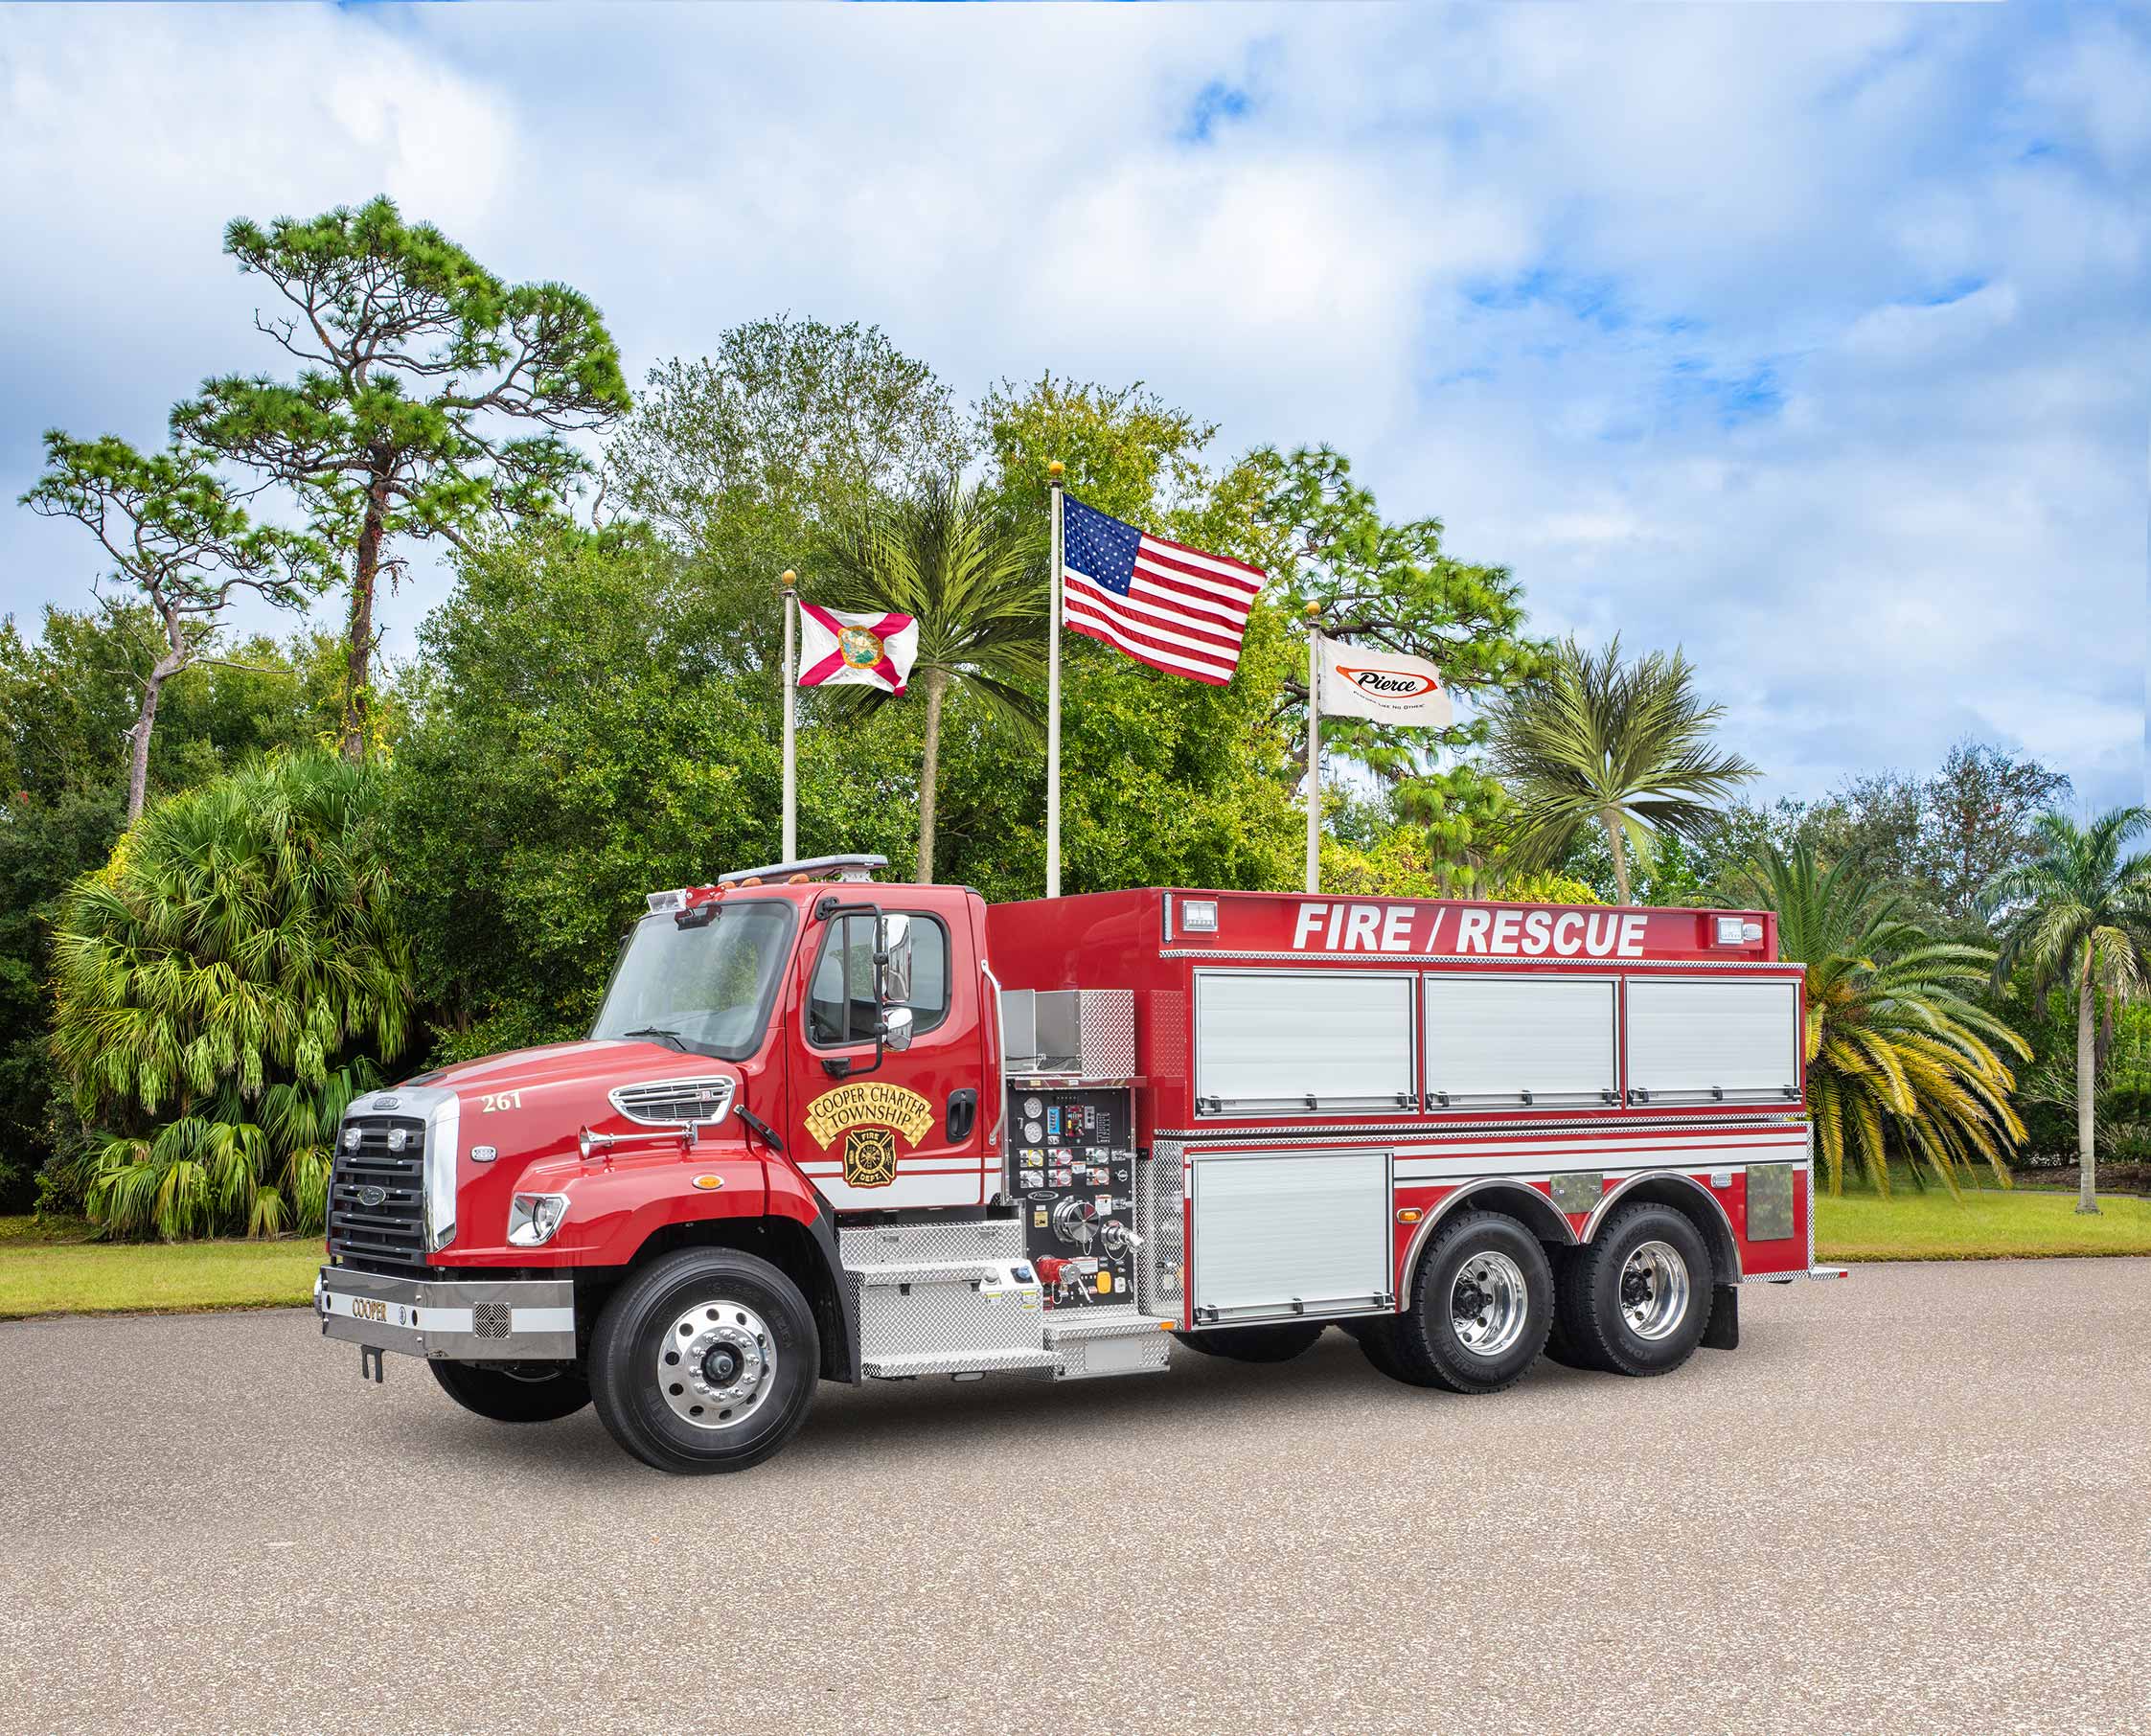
[1385,686]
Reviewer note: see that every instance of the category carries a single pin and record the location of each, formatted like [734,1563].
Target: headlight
[533,1218]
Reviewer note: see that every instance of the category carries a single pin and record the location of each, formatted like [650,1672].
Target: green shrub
[223,986]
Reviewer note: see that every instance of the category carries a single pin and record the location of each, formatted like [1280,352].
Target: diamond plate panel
[959,1317]
[1107,1025]
[953,1319]
[926,1243]
[1163,1255]
[984,1362]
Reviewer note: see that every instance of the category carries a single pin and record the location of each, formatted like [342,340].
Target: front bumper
[516,1320]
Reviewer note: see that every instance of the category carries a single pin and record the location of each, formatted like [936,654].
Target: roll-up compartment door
[1699,1040]
[1288,1233]
[1540,1039]
[1271,1042]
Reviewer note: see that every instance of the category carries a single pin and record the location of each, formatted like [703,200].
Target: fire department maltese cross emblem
[870,1157]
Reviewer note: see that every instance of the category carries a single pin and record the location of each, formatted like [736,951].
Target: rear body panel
[1376,1011]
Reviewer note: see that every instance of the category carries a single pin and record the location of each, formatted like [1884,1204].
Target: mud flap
[1724,1331]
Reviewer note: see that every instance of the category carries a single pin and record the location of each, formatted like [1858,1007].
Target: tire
[706,1360]
[1493,1270]
[1637,1299]
[1279,1343]
[547,1393]
[1558,1348]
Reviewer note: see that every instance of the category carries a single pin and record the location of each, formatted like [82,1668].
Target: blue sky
[1813,340]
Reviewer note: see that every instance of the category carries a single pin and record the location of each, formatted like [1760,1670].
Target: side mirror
[892,960]
[895,1028]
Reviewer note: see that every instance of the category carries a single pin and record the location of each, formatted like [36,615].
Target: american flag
[1163,604]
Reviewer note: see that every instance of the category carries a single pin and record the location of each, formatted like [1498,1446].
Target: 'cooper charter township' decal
[868,1102]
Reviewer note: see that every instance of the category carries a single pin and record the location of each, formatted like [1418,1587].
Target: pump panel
[1073,1160]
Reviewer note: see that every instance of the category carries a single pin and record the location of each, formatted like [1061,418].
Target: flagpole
[1314,749]
[791,699]
[1053,700]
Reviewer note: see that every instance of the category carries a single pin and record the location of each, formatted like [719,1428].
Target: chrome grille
[377,1196]
[675,1102]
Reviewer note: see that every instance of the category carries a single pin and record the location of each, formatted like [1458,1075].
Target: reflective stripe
[403,1314]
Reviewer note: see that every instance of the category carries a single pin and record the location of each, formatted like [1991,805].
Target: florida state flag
[838,648]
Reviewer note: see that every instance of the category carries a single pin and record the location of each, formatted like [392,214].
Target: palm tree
[1626,748]
[1895,1048]
[978,592]
[222,988]
[2080,914]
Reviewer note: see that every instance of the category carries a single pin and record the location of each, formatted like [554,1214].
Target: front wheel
[534,1392]
[706,1360]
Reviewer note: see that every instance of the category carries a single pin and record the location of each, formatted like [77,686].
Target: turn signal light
[1409,1213]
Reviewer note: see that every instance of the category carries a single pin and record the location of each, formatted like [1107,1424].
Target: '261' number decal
[501,1099]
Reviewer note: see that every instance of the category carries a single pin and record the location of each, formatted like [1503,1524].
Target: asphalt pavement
[1918,1501]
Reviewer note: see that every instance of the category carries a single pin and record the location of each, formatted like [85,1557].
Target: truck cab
[812,1135]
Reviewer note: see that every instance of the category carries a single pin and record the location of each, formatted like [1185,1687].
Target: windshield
[709,987]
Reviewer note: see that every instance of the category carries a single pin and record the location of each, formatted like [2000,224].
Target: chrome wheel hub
[716,1364]
[1489,1304]
[1654,1289]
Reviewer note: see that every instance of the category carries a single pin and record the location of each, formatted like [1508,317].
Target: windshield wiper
[660,1031]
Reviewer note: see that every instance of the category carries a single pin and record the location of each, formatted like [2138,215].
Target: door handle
[963,1114]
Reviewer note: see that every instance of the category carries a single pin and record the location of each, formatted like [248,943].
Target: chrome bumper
[516,1320]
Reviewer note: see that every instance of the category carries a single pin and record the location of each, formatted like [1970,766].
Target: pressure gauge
[1033,1131]
[1034,1107]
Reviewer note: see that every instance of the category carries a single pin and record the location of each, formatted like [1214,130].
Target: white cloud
[1813,340]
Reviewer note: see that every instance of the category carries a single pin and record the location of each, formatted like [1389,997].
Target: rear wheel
[706,1360]
[1637,1299]
[534,1392]
[1482,1306]
[1558,1347]
[1279,1343]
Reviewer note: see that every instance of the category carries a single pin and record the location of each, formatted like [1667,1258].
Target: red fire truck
[830,1129]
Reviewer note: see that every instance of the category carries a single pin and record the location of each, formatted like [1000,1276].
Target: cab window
[840,1003]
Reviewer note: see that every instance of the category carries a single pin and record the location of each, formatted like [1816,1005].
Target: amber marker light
[707,1183]
[1409,1213]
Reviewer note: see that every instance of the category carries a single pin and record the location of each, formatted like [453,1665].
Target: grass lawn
[1987,1223]
[41,1274]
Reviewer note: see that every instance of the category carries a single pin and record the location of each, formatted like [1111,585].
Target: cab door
[907,1129]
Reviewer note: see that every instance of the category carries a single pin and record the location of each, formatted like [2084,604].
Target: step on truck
[832,1128]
